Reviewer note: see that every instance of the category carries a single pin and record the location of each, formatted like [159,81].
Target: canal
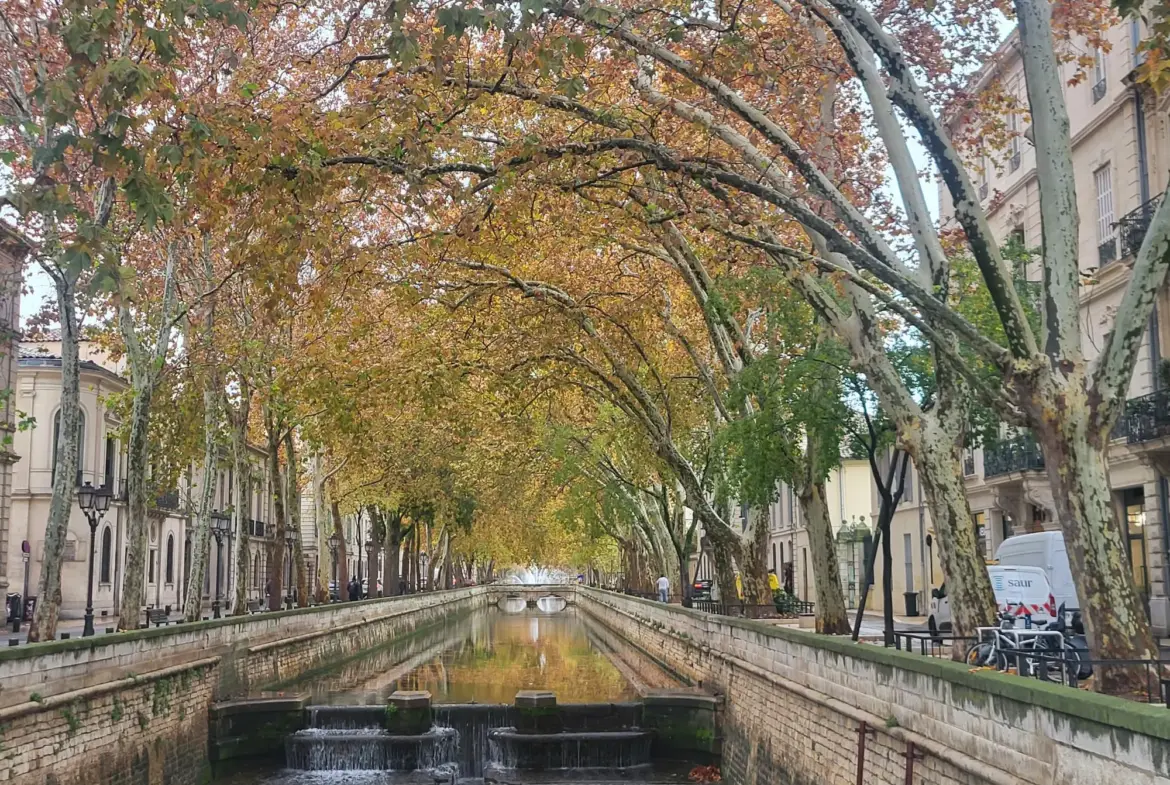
[473,666]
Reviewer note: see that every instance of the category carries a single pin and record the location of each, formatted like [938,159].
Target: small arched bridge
[509,594]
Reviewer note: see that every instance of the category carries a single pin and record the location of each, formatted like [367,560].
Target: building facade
[14,248]
[847,490]
[103,464]
[1121,156]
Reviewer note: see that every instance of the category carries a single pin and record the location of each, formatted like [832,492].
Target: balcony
[969,464]
[1020,454]
[167,501]
[1107,251]
[1148,417]
[983,188]
[1099,91]
[255,528]
[1133,226]
[1014,161]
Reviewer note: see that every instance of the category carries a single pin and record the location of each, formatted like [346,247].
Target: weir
[590,686]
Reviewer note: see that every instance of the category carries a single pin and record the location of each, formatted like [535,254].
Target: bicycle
[1029,649]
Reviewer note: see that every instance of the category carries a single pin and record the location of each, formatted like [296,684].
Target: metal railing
[167,501]
[746,611]
[1147,417]
[1073,666]
[1099,91]
[1133,226]
[1107,251]
[1020,454]
[969,464]
[930,645]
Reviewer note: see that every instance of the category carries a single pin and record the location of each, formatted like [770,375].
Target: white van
[1044,550]
[1018,590]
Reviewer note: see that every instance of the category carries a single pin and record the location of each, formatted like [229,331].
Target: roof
[26,360]
[11,238]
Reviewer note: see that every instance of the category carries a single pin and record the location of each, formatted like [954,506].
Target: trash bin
[911,603]
[15,610]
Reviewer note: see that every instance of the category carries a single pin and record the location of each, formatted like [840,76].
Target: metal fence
[930,645]
[747,611]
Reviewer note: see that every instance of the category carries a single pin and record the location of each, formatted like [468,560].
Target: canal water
[473,666]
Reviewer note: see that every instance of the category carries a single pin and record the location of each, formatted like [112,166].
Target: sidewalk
[72,627]
[876,616]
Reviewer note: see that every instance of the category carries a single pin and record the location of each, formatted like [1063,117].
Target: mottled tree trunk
[200,537]
[293,499]
[44,623]
[831,618]
[145,366]
[322,531]
[242,477]
[936,457]
[1115,620]
[276,564]
[754,564]
[137,458]
[342,552]
[391,546]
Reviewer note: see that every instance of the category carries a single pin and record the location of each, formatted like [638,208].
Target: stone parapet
[800,708]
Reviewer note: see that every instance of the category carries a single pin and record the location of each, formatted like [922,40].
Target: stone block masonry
[148,729]
[133,708]
[803,709]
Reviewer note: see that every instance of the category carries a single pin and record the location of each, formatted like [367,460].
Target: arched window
[107,555]
[256,571]
[80,441]
[170,558]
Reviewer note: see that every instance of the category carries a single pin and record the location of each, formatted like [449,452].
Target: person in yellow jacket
[773,581]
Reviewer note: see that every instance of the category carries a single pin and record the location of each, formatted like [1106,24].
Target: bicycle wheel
[980,655]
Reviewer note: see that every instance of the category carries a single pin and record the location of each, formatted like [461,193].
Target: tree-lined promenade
[570,282]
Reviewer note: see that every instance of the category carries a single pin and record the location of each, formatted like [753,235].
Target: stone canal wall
[803,709]
[132,708]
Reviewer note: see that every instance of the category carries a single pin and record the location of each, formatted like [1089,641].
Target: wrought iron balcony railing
[1133,226]
[1107,251]
[1148,417]
[167,501]
[1020,454]
[1099,91]
[968,464]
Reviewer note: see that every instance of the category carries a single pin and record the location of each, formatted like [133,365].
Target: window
[1134,500]
[150,562]
[984,175]
[170,573]
[111,458]
[908,486]
[773,557]
[804,573]
[980,534]
[107,556]
[1106,228]
[256,571]
[1098,75]
[80,441]
[908,548]
[1014,146]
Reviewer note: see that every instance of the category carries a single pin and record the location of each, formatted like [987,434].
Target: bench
[254,606]
[157,617]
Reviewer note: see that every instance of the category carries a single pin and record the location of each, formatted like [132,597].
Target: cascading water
[351,738]
[581,750]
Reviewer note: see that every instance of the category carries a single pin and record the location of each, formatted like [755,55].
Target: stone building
[103,464]
[1121,156]
[13,250]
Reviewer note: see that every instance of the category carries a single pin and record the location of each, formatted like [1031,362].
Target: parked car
[701,590]
[1023,591]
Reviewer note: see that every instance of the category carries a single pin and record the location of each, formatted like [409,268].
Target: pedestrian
[663,589]
[355,590]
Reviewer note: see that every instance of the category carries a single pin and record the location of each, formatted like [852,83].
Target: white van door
[1023,591]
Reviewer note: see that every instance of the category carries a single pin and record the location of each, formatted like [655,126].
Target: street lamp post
[219,528]
[290,539]
[333,543]
[93,502]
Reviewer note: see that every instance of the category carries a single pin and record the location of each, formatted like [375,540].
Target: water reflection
[483,658]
